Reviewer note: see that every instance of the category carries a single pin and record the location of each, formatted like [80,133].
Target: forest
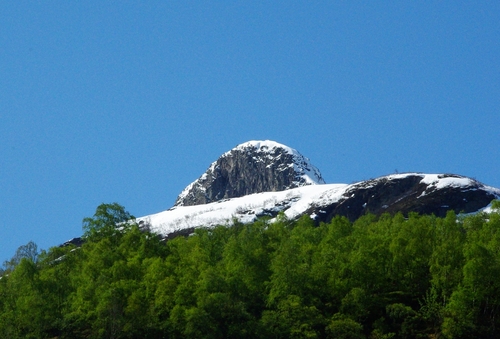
[393,276]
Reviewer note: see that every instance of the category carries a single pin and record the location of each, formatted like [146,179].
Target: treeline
[379,277]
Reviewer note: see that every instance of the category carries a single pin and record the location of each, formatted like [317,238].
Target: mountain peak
[263,145]
[252,167]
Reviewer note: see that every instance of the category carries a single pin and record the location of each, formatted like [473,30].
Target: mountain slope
[411,192]
[251,167]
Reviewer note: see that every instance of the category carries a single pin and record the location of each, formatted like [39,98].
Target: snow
[309,173]
[264,145]
[438,182]
[245,209]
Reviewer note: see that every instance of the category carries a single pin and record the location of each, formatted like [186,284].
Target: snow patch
[438,181]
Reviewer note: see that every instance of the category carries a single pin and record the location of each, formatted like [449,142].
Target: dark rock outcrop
[78,242]
[252,167]
[405,194]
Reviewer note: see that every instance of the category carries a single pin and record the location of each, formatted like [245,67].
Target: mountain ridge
[263,178]
[405,193]
[401,192]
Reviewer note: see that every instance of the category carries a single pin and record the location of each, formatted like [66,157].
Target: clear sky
[129,102]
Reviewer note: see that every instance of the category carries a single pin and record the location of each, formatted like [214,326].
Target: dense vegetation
[385,277]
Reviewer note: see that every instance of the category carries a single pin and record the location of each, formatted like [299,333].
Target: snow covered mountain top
[302,165]
[441,181]
[251,167]
[432,180]
[437,180]
[263,145]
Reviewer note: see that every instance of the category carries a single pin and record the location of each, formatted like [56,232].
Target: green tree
[331,264]
[246,266]
[495,205]
[25,305]
[474,305]
[292,319]
[28,251]
[411,248]
[447,257]
[108,220]
[342,327]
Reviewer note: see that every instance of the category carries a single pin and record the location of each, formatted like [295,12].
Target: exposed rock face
[78,241]
[409,193]
[252,167]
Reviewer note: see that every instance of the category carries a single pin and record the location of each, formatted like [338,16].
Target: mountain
[264,178]
[410,192]
[252,167]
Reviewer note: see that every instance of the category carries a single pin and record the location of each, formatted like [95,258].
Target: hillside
[262,178]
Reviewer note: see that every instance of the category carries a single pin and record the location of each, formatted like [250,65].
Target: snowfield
[245,209]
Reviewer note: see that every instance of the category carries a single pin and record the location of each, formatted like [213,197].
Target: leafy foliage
[386,277]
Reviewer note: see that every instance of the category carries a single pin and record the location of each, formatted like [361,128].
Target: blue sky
[130,102]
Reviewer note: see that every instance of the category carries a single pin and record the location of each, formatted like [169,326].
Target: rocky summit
[252,167]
